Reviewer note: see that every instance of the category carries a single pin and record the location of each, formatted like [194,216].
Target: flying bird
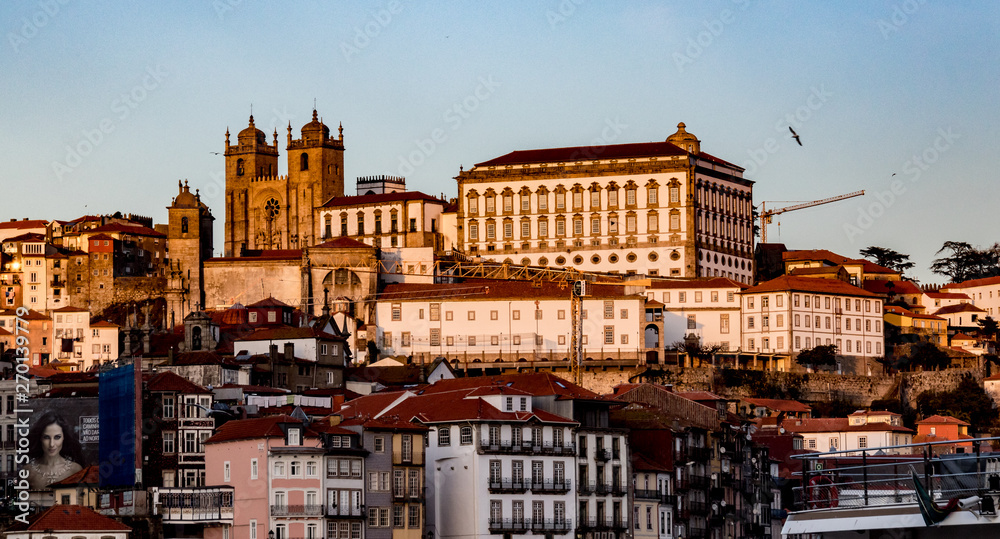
[215,153]
[795,135]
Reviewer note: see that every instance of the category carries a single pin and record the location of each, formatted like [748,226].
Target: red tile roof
[962,337]
[973,283]
[202,358]
[138,230]
[819,270]
[588,153]
[269,302]
[809,284]
[32,315]
[168,381]
[959,308]
[781,405]
[896,309]
[714,282]
[288,333]
[263,427]
[942,420]
[835,259]
[24,223]
[366,200]
[838,424]
[948,295]
[71,518]
[343,242]
[30,237]
[70,309]
[700,396]
[103,324]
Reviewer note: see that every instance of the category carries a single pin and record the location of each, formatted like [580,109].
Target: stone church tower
[267,211]
[189,238]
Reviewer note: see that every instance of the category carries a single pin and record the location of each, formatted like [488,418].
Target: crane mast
[767,215]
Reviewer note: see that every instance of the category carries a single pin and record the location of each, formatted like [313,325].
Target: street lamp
[270,534]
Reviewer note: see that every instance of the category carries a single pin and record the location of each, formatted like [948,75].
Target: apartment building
[708,308]
[508,321]
[983,293]
[789,314]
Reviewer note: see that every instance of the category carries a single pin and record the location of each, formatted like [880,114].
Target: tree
[929,356]
[755,215]
[988,328]
[824,354]
[694,349]
[966,262]
[887,258]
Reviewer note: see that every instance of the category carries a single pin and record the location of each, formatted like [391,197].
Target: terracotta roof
[896,309]
[366,200]
[973,283]
[834,259]
[714,282]
[168,381]
[101,237]
[128,229]
[343,242]
[585,153]
[70,518]
[962,337]
[70,309]
[700,396]
[819,270]
[249,429]
[103,324]
[942,419]
[287,333]
[29,223]
[809,284]
[781,405]
[959,308]
[32,315]
[30,237]
[493,290]
[269,302]
[4,332]
[538,384]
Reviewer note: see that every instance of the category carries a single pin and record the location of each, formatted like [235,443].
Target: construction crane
[766,215]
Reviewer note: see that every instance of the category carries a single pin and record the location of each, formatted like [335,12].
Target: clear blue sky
[144,92]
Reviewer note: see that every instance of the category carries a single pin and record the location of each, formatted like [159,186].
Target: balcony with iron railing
[604,488]
[602,455]
[508,486]
[587,488]
[551,525]
[402,494]
[699,508]
[310,510]
[618,489]
[509,525]
[604,523]
[551,486]
[646,494]
[699,454]
[669,499]
[508,447]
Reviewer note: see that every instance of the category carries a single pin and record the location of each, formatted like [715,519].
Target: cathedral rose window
[271,208]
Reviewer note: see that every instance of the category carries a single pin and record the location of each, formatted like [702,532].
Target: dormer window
[294,436]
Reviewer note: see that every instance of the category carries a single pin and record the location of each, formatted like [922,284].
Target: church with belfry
[265,211]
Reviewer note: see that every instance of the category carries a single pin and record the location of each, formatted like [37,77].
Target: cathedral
[268,211]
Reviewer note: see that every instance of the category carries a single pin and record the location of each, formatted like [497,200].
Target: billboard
[63,438]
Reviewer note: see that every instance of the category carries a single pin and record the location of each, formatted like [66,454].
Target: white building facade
[706,308]
[663,208]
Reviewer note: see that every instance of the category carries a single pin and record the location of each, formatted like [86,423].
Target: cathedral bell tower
[248,163]
[189,237]
[315,174]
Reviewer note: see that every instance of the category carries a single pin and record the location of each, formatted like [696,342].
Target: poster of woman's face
[62,439]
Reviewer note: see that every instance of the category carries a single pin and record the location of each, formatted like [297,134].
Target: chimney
[289,351]
[273,352]
[669,387]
